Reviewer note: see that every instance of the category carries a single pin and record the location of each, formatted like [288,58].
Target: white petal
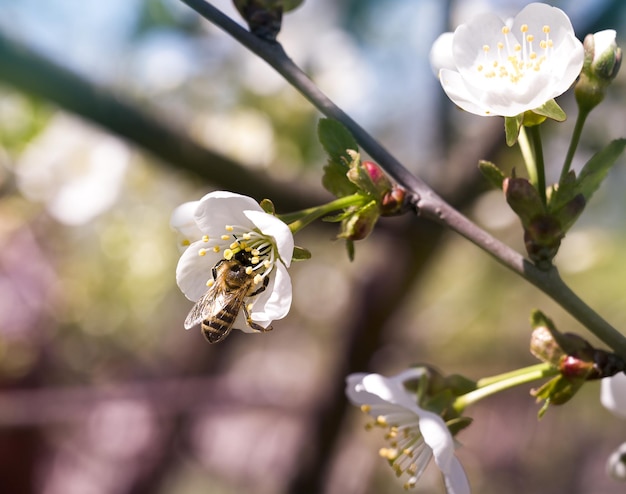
[603,41]
[613,394]
[221,208]
[455,478]
[193,271]
[441,56]
[457,90]
[272,226]
[275,302]
[183,221]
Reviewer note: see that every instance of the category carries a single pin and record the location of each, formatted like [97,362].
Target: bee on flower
[233,265]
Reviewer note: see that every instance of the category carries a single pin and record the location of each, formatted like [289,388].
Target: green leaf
[596,169]
[268,206]
[336,139]
[492,173]
[511,128]
[552,110]
[336,181]
[300,254]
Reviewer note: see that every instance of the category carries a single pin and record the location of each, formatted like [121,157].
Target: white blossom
[415,435]
[222,224]
[509,68]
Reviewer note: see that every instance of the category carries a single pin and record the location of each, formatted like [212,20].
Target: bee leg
[214,268]
[254,325]
[262,288]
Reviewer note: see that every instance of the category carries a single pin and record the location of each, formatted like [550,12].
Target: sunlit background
[113,113]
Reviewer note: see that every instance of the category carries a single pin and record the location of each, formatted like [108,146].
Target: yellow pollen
[202,252]
[249,270]
[517,47]
[255,252]
[543,44]
[254,260]
[380,420]
[228,254]
[500,45]
[185,242]
[408,452]
[506,30]
[234,245]
[229,228]
[216,248]
[524,28]
[266,264]
[225,237]
[485,48]
[532,56]
[365,408]
[388,453]
[546,29]
[244,246]
[205,238]
[257,279]
[480,68]
[530,38]
[246,236]
[210,283]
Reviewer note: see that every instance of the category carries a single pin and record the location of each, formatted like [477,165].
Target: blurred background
[113,113]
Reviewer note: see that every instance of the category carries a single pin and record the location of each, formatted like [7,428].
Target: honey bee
[219,307]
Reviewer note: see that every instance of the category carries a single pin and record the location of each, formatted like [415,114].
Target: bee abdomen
[216,328]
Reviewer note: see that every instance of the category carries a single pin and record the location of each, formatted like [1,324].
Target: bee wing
[203,308]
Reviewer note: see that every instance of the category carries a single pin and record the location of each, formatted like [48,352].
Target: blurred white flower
[416,435]
[219,226]
[75,170]
[507,69]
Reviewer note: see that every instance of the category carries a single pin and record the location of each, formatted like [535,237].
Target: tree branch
[34,74]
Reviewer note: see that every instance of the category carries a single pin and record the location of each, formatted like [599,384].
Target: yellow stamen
[229,228]
[225,237]
[228,254]
[202,252]
[185,243]
[205,238]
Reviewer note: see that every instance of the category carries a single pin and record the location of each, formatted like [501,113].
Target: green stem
[535,137]
[492,385]
[299,219]
[578,130]
[528,155]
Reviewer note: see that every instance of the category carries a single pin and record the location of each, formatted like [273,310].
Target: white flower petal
[183,221]
[603,41]
[273,303]
[272,226]
[221,208]
[193,270]
[441,56]
[613,394]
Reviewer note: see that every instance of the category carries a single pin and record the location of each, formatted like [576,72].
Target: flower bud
[602,62]
[523,199]
[359,225]
[394,202]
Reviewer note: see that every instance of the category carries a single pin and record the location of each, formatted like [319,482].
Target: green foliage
[550,109]
[336,141]
[492,173]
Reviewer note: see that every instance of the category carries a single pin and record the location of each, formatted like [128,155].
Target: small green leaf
[350,249]
[552,110]
[336,140]
[336,181]
[268,206]
[300,254]
[511,128]
[596,169]
[492,173]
